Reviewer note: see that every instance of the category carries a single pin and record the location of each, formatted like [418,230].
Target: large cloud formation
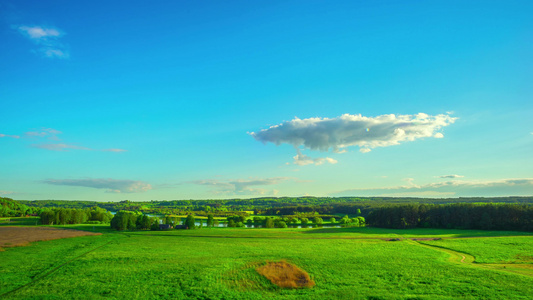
[111,185]
[348,130]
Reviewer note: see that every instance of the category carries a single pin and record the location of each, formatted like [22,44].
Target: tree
[47,217]
[317,220]
[281,224]
[269,223]
[144,222]
[124,220]
[190,222]
[345,220]
[332,220]
[210,220]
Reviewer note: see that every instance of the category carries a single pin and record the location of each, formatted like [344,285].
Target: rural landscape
[369,149]
[478,250]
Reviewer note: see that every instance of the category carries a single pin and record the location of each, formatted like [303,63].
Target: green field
[345,263]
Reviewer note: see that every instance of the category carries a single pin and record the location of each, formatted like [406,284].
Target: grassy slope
[177,264]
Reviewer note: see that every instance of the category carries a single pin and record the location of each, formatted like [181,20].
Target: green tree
[124,220]
[269,223]
[189,222]
[210,220]
[144,222]
[281,224]
[317,220]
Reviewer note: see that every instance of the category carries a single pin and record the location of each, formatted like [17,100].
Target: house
[164,227]
[180,227]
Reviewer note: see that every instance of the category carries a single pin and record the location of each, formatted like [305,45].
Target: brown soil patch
[285,275]
[23,236]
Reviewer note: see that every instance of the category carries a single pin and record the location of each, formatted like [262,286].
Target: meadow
[221,263]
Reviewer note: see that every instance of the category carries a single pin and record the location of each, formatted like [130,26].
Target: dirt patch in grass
[23,236]
[285,275]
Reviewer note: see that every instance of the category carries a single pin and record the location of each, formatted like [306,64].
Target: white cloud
[38,32]
[111,185]
[54,53]
[52,134]
[114,150]
[450,176]
[59,147]
[47,39]
[9,136]
[457,188]
[302,159]
[348,130]
[6,193]
[49,133]
[243,186]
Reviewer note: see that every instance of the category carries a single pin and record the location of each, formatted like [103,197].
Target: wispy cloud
[49,133]
[367,133]
[114,150]
[110,185]
[9,136]
[47,39]
[458,188]
[450,176]
[59,147]
[243,186]
[2,193]
[39,33]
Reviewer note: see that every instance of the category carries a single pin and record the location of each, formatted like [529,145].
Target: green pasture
[495,250]
[328,233]
[219,263]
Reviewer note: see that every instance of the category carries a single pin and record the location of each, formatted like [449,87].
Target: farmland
[216,263]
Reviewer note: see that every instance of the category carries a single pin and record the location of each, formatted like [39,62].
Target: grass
[496,250]
[185,264]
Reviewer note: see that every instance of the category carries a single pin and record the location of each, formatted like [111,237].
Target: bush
[281,224]
[93,222]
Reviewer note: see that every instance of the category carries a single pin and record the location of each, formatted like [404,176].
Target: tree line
[127,220]
[12,208]
[270,205]
[459,216]
[63,216]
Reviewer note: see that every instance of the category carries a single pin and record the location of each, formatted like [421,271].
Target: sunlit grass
[180,264]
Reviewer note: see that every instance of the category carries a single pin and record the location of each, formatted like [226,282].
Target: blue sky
[114,100]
